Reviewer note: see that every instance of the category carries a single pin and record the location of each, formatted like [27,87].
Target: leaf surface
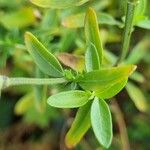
[92,33]
[101,122]
[60,4]
[106,82]
[46,61]
[79,126]
[69,99]
[137,97]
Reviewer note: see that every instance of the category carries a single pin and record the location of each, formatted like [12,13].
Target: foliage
[71,67]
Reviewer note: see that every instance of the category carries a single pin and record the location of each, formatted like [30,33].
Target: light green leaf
[144,24]
[46,61]
[137,76]
[112,89]
[19,19]
[79,126]
[69,99]
[92,32]
[141,8]
[101,122]
[91,58]
[77,20]
[24,104]
[138,52]
[106,82]
[60,4]
[137,97]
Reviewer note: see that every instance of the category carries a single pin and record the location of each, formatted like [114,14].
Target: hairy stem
[6,81]
[127,29]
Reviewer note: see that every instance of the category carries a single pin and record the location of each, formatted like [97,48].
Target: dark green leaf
[101,122]
[69,99]
[46,61]
[80,126]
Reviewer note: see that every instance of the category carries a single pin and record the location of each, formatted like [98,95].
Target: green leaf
[24,104]
[91,58]
[77,20]
[46,61]
[101,122]
[144,24]
[141,8]
[137,97]
[69,99]
[112,90]
[92,32]
[19,19]
[60,4]
[79,126]
[106,82]
[138,52]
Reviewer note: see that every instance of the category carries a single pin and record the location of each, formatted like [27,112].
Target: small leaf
[19,19]
[92,32]
[91,58]
[106,82]
[69,99]
[101,122]
[77,20]
[60,4]
[79,126]
[46,61]
[138,52]
[137,97]
[24,104]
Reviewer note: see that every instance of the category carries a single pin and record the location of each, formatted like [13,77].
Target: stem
[127,29]
[121,125]
[6,81]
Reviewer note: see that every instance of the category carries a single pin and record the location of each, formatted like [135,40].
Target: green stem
[127,29]
[6,81]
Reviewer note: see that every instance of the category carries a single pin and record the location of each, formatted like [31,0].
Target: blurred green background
[24,123]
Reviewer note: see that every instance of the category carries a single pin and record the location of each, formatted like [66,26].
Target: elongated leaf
[91,58]
[99,80]
[137,96]
[60,4]
[79,126]
[92,32]
[101,122]
[77,20]
[19,19]
[112,90]
[138,52]
[69,99]
[46,61]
